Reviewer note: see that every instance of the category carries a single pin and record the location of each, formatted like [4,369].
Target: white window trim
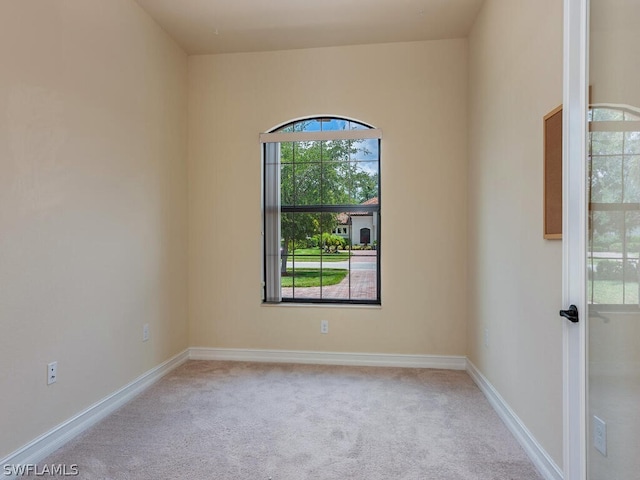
[326,135]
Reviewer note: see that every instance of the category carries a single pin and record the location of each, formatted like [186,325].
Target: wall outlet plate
[324,326]
[600,435]
[145,332]
[52,373]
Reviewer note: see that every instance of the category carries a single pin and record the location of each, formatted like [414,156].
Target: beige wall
[92,205]
[515,52]
[417,94]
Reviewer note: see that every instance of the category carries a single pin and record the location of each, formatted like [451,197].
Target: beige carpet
[231,420]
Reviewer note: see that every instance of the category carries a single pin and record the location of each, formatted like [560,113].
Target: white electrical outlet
[145,332]
[486,337]
[324,326]
[52,373]
[600,435]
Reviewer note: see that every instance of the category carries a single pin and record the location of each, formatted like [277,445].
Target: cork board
[553,174]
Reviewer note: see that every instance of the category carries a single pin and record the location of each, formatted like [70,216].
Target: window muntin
[323,183]
[614,208]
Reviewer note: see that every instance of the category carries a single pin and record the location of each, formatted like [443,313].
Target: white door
[601,271]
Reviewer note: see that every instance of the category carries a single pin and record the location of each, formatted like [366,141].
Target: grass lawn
[611,292]
[310,277]
[314,254]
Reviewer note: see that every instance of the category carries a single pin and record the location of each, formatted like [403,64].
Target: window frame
[270,147]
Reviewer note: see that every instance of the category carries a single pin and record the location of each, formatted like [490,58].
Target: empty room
[296,240]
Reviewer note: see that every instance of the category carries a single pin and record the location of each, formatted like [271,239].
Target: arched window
[318,175]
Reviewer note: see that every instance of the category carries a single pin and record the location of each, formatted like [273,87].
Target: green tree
[319,173]
[365,186]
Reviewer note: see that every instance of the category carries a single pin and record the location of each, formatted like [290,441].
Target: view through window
[322,212]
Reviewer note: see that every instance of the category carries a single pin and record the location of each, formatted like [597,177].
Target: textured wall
[417,94]
[515,52]
[93,205]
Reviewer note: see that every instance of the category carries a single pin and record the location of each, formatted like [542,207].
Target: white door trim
[574,243]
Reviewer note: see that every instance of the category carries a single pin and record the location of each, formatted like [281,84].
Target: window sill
[322,305]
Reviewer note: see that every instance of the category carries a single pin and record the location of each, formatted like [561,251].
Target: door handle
[571,314]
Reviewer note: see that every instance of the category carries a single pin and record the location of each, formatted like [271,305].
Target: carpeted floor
[248,421]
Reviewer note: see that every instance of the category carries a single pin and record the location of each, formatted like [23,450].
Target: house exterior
[359,227]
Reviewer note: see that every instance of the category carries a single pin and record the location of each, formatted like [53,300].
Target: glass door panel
[613,259]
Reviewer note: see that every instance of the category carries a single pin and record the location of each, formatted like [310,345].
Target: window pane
[335,260]
[365,182]
[312,125]
[287,225]
[367,149]
[336,183]
[299,231]
[305,152]
[286,184]
[607,264]
[364,259]
[631,282]
[336,150]
[631,257]
[286,152]
[606,143]
[329,124]
[287,128]
[632,179]
[307,181]
[632,246]
[608,232]
[357,126]
[320,263]
[306,228]
[632,142]
[606,179]
[631,116]
[364,276]
[608,287]
[607,115]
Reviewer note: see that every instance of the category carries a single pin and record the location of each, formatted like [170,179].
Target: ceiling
[230,26]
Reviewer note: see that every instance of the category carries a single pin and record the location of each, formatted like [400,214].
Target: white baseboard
[47,443]
[329,358]
[540,458]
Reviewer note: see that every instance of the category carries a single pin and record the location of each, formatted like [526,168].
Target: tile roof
[343,218]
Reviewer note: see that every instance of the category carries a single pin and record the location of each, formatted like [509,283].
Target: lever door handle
[571,314]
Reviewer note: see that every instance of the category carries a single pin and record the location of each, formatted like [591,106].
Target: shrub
[609,270]
[330,240]
[613,270]
[600,245]
[615,247]
[631,247]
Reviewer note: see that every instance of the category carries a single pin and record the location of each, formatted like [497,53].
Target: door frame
[574,242]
